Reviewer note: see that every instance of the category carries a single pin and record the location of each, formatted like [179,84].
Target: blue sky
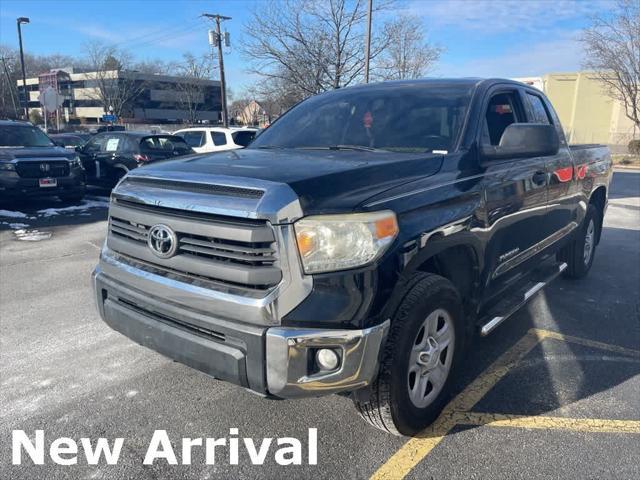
[508,38]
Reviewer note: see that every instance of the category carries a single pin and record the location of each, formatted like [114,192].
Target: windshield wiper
[360,148]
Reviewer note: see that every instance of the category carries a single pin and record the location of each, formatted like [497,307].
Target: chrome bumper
[290,353]
[275,361]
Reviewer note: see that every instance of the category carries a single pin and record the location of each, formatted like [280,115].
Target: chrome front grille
[233,251]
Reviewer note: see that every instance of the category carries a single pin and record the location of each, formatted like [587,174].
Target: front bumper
[12,185]
[275,361]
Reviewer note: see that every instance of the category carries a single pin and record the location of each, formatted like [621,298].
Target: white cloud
[562,54]
[500,16]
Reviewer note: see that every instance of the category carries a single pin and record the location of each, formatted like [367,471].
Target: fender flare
[417,256]
[438,243]
[122,166]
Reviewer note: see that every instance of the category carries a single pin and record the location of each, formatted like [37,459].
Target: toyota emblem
[162,241]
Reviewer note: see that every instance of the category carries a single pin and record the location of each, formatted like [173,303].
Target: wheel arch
[458,258]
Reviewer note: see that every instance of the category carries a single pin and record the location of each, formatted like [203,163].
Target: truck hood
[8,154]
[324,181]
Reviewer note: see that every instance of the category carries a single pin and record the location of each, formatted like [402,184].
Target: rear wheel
[579,254]
[422,354]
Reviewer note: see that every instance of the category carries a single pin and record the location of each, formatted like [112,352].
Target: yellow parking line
[412,452]
[457,411]
[593,425]
[585,342]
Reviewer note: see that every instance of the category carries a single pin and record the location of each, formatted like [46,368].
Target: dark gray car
[31,165]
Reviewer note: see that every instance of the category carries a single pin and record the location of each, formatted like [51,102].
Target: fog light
[327,359]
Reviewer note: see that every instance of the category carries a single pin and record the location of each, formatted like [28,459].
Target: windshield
[401,118]
[23,136]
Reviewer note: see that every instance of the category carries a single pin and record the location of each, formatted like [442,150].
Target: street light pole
[20,21]
[223,89]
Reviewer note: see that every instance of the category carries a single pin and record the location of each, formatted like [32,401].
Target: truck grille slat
[223,254]
[128,233]
[226,247]
[129,226]
[233,252]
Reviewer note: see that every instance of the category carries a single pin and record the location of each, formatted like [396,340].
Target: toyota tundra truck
[358,244]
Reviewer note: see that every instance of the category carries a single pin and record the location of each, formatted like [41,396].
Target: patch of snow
[31,235]
[85,205]
[16,226]
[12,214]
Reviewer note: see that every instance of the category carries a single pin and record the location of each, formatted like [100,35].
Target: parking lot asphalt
[552,393]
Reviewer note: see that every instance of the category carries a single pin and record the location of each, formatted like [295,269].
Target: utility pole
[9,85]
[367,54]
[20,21]
[223,89]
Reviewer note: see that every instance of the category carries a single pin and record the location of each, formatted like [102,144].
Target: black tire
[578,265]
[71,197]
[390,407]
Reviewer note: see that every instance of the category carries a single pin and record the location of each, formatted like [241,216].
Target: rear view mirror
[524,140]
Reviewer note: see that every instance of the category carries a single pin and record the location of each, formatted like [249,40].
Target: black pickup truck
[358,244]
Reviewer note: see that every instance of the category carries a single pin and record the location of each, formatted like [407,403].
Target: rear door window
[539,113]
[243,137]
[219,138]
[194,138]
[166,144]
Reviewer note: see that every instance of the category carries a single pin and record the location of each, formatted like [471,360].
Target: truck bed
[589,153]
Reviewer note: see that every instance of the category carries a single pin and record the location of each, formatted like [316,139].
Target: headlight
[338,242]
[6,166]
[75,161]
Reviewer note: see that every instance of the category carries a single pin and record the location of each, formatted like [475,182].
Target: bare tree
[34,65]
[612,51]
[311,46]
[114,82]
[408,55]
[191,92]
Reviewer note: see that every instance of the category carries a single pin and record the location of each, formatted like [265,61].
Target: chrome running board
[505,308]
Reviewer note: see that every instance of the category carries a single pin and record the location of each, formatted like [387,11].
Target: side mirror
[79,148]
[524,140]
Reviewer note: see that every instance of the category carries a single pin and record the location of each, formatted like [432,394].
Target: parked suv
[108,156]
[32,165]
[217,139]
[357,244]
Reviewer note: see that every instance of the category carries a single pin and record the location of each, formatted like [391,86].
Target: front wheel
[421,356]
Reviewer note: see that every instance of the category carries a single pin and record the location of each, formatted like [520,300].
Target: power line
[163,33]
